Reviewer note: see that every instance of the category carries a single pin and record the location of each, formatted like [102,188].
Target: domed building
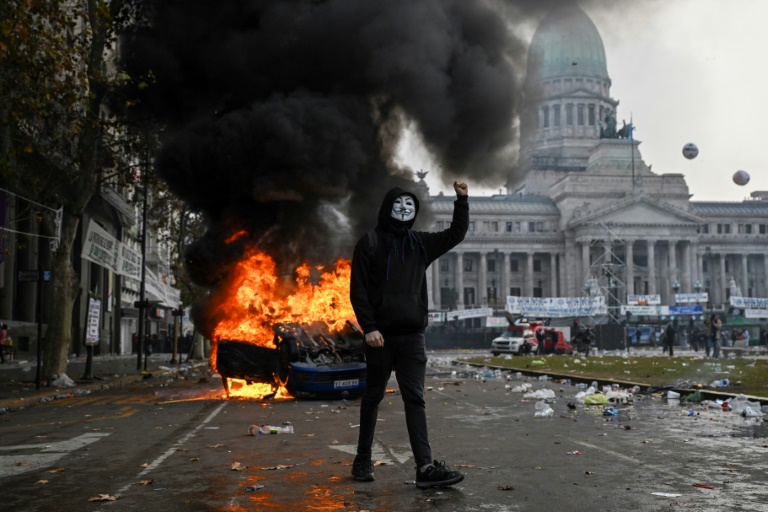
[583,215]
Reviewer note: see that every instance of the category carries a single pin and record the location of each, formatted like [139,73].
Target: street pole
[176,326]
[88,372]
[142,286]
[39,375]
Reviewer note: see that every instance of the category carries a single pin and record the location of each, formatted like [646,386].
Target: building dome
[566,43]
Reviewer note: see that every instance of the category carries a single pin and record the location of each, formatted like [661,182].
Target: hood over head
[385,211]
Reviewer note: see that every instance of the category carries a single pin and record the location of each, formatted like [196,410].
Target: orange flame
[255,299]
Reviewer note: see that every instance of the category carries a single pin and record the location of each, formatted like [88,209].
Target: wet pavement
[653,454]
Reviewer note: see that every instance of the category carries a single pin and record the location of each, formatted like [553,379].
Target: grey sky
[684,71]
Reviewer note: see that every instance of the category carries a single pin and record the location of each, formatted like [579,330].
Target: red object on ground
[703,486]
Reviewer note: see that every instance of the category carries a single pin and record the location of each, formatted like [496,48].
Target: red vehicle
[518,335]
[555,342]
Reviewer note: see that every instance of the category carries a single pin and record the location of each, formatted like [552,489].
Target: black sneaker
[362,469]
[437,475]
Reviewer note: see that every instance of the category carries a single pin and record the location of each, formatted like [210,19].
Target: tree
[58,138]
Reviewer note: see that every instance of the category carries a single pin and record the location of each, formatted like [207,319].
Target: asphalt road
[178,446]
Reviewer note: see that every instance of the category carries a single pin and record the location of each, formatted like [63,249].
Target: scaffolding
[607,271]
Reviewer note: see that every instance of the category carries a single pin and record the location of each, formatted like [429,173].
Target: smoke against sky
[279,112]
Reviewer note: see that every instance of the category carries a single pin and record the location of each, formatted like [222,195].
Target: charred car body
[309,361]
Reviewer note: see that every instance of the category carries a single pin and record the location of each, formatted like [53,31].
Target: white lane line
[657,468]
[173,449]
[16,464]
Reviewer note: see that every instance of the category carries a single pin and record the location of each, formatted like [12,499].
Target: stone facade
[582,203]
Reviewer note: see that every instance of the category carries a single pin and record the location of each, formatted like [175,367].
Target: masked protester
[388,290]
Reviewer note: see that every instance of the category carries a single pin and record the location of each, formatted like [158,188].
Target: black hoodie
[388,288]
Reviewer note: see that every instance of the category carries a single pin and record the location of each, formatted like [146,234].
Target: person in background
[716,325]
[388,291]
[589,336]
[708,334]
[3,337]
[669,338]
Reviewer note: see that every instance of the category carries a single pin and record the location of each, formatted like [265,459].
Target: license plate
[349,383]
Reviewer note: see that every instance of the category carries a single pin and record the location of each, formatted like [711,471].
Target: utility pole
[142,303]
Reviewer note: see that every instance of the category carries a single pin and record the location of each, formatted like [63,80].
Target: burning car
[310,362]
[269,339]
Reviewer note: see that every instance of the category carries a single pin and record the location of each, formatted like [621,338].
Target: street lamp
[709,283]
[676,288]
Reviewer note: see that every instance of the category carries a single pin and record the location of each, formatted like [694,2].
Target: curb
[626,383]
[40,396]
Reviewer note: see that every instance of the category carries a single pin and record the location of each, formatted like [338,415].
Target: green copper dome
[567,43]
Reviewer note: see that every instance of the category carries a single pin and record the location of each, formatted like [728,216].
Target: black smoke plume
[282,116]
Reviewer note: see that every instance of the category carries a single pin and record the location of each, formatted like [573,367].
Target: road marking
[174,449]
[11,465]
[660,469]
[378,452]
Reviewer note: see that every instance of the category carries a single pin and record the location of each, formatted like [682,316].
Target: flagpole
[632,148]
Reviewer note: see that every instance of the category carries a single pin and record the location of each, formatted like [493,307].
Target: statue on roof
[625,132]
[608,131]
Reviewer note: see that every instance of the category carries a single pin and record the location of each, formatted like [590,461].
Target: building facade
[583,209]
[107,262]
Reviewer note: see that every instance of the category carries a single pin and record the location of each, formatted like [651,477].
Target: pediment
[581,92]
[639,210]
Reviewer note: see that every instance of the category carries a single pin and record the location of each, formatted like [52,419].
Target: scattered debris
[279,466]
[102,497]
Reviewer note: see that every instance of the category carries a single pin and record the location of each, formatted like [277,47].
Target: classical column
[700,270]
[744,278]
[651,267]
[563,275]
[765,275]
[723,283]
[629,266]
[504,277]
[585,263]
[482,286]
[460,279]
[673,276]
[529,275]
[434,299]
[569,270]
[685,272]
[553,274]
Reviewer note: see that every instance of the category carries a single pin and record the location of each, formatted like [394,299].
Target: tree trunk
[58,337]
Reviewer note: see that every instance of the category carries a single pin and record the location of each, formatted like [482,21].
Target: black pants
[407,356]
[668,343]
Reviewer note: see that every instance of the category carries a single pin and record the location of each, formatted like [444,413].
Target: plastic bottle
[272,429]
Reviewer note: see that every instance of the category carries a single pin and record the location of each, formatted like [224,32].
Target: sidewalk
[18,379]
